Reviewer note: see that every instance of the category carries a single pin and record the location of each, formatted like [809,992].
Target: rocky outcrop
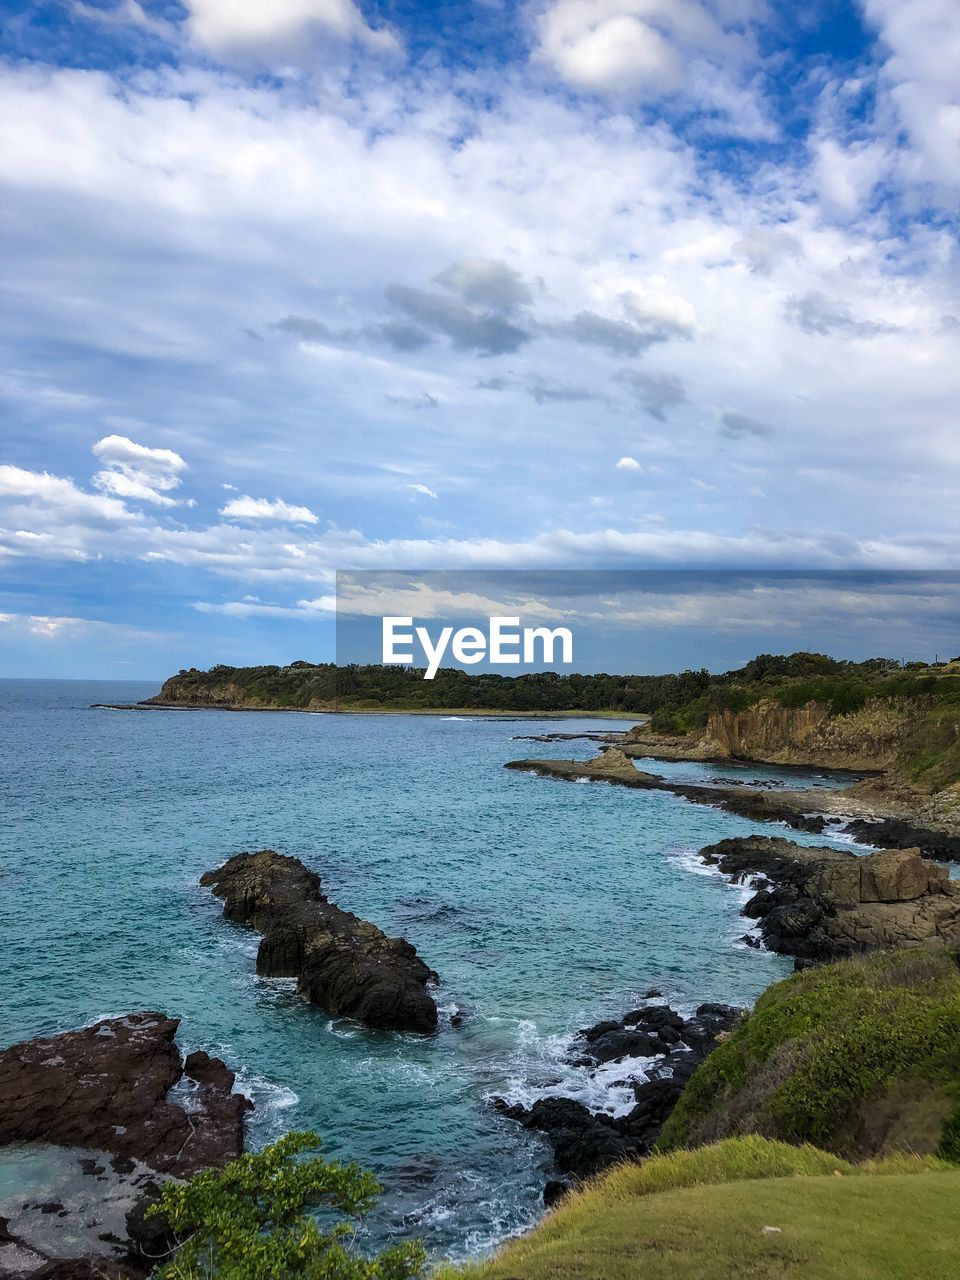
[127,1112]
[107,1087]
[610,766]
[586,1142]
[876,822]
[342,963]
[824,904]
[615,767]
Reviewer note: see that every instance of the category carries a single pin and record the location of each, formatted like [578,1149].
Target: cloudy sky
[318,285]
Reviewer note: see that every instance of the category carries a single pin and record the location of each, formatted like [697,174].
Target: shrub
[251,1220]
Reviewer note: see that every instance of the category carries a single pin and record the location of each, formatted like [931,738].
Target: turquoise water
[543,905]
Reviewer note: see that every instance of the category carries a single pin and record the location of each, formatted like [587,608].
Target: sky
[563,284]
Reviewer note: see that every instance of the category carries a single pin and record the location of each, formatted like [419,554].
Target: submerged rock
[822,903]
[342,963]
[107,1087]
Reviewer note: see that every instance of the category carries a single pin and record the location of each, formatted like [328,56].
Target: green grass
[857,1057]
[701,1215]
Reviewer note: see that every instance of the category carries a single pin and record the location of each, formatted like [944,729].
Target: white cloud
[135,471]
[594,47]
[246,508]
[60,494]
[421,489]
[845,175]
[253,608]
[49,627]
[921,81]
[213,195]
[264,29]
[628,464]
[647,49]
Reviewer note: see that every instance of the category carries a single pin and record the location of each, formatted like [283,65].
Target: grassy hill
[860,1058]
[708,1214]
[832,1114]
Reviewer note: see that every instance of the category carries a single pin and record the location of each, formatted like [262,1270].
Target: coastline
[465,712]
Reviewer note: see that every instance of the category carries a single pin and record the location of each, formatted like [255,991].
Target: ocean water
[543,905]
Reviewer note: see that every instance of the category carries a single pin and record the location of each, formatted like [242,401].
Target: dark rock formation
[344,964]
[586,1142]
[106,1087]
[898,833]
[824,904]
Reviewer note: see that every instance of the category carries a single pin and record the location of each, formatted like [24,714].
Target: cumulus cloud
[617,337]
[210,189]
[660,317]
[642,50]
[921,39]
[290,29]
[58,494]
[136,471]
[246,508]
[621,47]
[649,320]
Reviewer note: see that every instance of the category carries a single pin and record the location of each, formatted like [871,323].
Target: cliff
[867,739]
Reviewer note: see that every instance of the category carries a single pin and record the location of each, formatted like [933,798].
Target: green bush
[822,1048]
[252,1220]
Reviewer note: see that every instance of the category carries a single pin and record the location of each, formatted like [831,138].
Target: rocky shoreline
[659,1051]
[802,810]
[823,904]
[128,1112]
[341,963]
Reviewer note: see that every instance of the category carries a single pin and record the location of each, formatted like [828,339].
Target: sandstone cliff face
[867,739]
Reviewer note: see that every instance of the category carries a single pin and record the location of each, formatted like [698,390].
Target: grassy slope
[858,1057]
[702,1214]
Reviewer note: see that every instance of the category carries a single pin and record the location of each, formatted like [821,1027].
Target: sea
[543,905]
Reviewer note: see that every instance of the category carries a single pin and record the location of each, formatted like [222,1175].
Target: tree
[251,1220]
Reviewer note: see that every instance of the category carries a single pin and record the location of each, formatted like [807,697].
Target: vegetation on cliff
[801,708]
[860,1058]
[907,718]
[691,1213]
[308,686]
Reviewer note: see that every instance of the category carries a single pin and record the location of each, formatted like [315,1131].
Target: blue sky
[607,284]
